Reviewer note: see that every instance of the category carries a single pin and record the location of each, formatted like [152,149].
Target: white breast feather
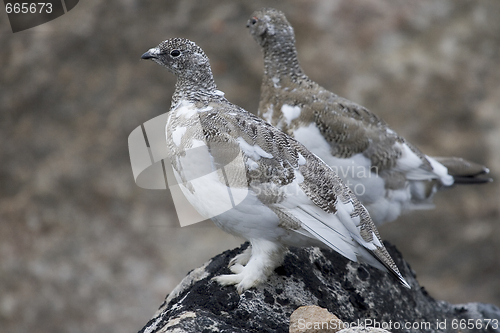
[177,135]
[290,113]
[185,109]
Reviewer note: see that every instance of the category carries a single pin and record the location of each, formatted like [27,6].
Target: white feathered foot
[242,258]
[254,265]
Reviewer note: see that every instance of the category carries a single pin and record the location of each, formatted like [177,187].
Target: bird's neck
[195,88]
[280,60]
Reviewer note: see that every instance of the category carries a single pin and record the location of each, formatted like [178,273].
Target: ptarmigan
[291,198]
[388,174]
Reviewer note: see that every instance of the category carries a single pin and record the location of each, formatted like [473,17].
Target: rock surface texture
[357,294]
[320,319]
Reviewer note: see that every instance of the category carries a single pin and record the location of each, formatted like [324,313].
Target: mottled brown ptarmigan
[281,194]
[388,174]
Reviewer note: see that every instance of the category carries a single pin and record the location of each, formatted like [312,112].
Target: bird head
[180,56]
[269,25]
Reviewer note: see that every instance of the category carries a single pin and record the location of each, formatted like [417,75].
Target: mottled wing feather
[324,188]
[349,128]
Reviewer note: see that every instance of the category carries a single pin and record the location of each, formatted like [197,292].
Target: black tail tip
[466,180]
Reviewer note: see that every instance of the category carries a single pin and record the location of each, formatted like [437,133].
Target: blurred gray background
[83,249]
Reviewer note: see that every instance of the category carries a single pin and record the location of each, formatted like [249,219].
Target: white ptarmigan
[291,197]
[388,174]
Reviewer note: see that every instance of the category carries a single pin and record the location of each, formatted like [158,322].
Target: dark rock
[355,293]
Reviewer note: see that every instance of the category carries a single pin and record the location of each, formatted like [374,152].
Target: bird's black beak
[148,55]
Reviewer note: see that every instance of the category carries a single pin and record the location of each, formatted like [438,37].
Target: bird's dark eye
[175,53]
[253,20]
